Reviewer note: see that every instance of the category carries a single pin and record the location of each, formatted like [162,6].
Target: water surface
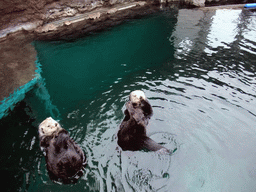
[197,69]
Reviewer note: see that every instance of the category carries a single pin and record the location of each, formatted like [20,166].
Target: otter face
[48,127]
[137,96]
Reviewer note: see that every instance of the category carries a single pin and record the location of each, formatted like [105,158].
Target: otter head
[49,127]
[136,98]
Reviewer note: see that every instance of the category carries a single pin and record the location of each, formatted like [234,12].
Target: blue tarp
[250,5]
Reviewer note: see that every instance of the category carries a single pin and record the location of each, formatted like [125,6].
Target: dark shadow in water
[19,148]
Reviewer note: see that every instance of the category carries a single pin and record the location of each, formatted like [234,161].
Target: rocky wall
[14,12]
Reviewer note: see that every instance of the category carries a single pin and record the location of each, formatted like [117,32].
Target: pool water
[198,69]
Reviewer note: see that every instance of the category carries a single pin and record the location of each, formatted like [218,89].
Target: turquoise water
[197,69]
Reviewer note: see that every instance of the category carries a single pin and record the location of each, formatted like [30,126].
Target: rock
[50,27]
[82,9]
[111,2]
[67,23]
[46,28]
[111,11]
[57,13]
[53,13]
[69,11]
[141,3]
[94,15]
[198,3]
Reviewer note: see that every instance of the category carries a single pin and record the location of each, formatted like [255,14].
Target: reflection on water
[224,28]
[197,68]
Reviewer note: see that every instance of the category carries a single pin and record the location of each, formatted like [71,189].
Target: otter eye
[56,124]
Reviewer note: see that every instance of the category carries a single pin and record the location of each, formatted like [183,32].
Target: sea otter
[132,133]
[64,158]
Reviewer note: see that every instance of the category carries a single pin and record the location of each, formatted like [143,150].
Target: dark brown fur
[132,133]
[64,158]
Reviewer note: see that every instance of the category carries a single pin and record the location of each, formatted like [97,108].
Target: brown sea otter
[132,133]
[64,158]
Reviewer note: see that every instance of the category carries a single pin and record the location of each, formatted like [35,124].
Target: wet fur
[64,158]
[132,133]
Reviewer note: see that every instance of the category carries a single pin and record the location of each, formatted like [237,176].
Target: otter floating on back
[64,158]
[132,133]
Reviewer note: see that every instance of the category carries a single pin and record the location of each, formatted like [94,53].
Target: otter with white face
[137,96]
[64,158]
[132,133]
[49,127]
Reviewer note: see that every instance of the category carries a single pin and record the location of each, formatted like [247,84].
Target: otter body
[64,158]
[132,133]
